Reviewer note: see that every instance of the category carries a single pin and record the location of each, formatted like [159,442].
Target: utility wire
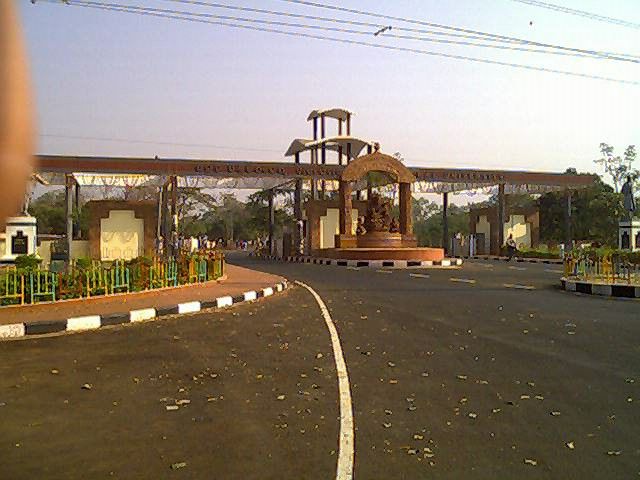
[152,142]
[355,42]
[430,24]
[580,13]
[349,31]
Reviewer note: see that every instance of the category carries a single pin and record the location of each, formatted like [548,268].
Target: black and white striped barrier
[601,289]
[547,261]
[92,322]
[447,262]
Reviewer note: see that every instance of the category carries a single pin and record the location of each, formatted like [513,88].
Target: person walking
[511,247]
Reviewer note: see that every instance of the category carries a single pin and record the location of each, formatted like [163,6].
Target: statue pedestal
[629,235]
[345,241]
[380,240]
[20,238]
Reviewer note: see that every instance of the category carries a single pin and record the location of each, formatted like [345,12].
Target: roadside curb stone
[600,289]
[447,262]
[94,322]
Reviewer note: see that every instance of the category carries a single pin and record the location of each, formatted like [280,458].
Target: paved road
[453,375]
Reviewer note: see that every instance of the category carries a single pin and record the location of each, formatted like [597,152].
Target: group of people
[180,243]
[183,244]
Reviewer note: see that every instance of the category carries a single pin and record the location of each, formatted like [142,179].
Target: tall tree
[594,214]
[618,168]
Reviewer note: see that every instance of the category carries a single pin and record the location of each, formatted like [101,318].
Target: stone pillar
[445,222]
[568,233]
[346,237]
[272,221]
[406,222]
[348,124]
[345,208]
[501,218]
[68,195]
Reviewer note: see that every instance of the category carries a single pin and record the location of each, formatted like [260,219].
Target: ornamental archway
[380,234]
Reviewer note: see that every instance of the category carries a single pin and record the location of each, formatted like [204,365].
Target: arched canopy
[337,113]
[377,162]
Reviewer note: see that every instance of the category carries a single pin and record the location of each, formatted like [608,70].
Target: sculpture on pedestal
[629,227]
[629,201]
[378,218]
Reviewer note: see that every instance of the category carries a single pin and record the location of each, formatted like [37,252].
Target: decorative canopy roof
[330,143]
[337,113]
[377,162]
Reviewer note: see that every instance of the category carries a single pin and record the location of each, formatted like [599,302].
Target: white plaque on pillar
[20,238]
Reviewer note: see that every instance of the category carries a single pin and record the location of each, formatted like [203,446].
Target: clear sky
[118,75]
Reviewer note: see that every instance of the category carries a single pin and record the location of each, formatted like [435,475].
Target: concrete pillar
[76,209]
[348,124]
[568,230]
[272,221]
[314,183]
[501,217]
[445,222]
[322,136]
[297,210]
[340,146]
[68,212]
[159,226]
[323,153]
[405,220]
[173,226]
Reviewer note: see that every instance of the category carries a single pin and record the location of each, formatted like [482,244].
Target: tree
[594,214]
[618,168]
[427,221]
[50,212]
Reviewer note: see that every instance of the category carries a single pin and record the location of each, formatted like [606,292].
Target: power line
[153,142]
[348,31]
[580,13]
[428,24]
[356,42]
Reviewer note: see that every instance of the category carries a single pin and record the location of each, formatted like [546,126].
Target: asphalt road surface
[486,372]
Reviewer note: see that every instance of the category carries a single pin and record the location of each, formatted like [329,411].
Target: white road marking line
[518,268]
[346,450]
[419,275]
[384,271]
[519,287]
[462,280]
[353,268]
[551,270]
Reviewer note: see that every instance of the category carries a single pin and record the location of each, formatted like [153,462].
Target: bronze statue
[629,201]
[395,225]
[360,230]
[378,218]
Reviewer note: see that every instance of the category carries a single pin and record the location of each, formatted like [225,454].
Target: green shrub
[27,263]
